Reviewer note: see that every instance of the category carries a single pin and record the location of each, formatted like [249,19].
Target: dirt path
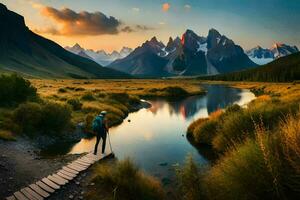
[21,165]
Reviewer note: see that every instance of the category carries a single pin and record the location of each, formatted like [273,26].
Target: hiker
[101,130]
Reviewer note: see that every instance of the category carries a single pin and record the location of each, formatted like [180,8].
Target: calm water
[155,137]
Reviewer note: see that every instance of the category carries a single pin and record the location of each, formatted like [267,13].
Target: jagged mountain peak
[189,55]
[76,45]
[100,56]
[154,39]
[170,40]
[263,56]
[214,32]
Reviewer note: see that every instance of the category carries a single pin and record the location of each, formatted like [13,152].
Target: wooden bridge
[43,188]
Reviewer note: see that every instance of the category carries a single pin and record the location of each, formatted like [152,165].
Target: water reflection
[157,135]
[218,96]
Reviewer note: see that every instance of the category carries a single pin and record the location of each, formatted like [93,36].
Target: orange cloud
[166,7]
[82,23]
[69,23]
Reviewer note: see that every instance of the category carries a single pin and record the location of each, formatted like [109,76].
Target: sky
[112,24]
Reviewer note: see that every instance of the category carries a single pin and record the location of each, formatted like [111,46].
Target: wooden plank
[11,198]
[64,176]
[79,165]
[67,173]
[60,178]
[20,196]
[82,163]
[28,192]
[56,180]
[70,170]
[39,190]
[92,157]
[50,183]
[75,168]
[87,160]
[45,187]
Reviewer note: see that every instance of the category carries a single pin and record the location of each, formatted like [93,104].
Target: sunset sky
[112,24]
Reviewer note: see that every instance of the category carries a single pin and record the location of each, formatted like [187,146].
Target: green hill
[31,55]
[284,69]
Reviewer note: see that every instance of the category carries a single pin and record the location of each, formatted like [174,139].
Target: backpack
[97,124]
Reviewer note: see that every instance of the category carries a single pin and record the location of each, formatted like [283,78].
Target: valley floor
[19,160]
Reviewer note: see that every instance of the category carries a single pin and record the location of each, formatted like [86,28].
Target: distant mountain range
[190,55]
[100,56]
[284,69]
[29,54]
[262,56]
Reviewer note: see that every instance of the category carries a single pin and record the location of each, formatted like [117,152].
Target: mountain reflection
[218,96]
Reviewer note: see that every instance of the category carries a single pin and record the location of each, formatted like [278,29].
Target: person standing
[101,130]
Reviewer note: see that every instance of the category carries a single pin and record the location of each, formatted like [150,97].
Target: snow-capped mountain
[281,50]
[263,56]
[100,56]
[190,55]
[147,60]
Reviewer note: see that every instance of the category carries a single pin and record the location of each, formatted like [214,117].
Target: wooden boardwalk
[43,188]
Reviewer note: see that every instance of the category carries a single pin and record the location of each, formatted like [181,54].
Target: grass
[140,87]
[47,118]
[123,180]
[118,97]
[266,167]
[189,180]
[7,135]
[260,146]
[237,124]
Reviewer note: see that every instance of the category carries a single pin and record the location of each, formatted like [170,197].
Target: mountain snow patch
[202,47]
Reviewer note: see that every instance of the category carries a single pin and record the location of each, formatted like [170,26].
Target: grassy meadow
[257,146]
[53,107]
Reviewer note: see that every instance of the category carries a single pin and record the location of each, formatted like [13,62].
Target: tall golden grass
[123,180]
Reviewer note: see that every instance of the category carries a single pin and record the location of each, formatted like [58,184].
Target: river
[155,138]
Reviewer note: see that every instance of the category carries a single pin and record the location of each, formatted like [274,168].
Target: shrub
[27,117]
[238,126]
[205,132]
[264,167]
[79,89]
[290,140]
[175,91]
[88,123]
[189,179]
[88,97]
[32,118]
[75,103]
[62,90]
[124,181]
[241,174]
[14,90]
[194,124]
[171,91]
[55,118]
[6,135]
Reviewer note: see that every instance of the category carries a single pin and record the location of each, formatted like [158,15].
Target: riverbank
[118,97]
[260,140]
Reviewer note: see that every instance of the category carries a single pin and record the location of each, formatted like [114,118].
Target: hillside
[29,54]
[284,69]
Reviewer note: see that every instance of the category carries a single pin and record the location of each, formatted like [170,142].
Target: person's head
[103,113]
